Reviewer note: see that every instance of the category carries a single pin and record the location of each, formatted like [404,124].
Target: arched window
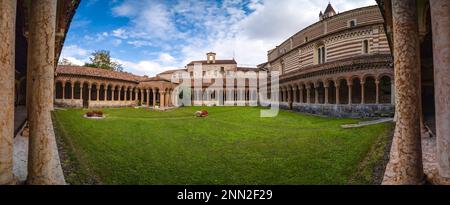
[365,47]
[321,55]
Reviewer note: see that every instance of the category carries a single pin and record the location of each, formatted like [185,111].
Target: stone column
[350,86]
[98,93]
[301,94]
[71,90]
[362,92]
[142,97]
[135,95]
[81,91]
[377,91]
[64,91]
[41,62]
[295,90]
[113,94]
[308,94]
[405,165]
[337,93]
[154,97]
[105,93]
[148,98]
[289,91]
[161,99]
[316,94]
[90,93]
[169,99]
[119,94]
[166,99]
[440,21]
[326,93]
[7,64]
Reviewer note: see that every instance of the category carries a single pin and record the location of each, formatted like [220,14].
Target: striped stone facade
[347,52]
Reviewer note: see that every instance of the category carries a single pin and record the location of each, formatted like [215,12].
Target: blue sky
[150,36]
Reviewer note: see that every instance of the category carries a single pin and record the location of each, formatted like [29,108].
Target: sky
[151,36]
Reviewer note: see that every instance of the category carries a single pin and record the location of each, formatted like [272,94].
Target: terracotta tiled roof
[98,72]
[171,71]
[217,62]
[245,69]
[157,78]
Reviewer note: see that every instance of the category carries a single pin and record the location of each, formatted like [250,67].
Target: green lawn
[231,146]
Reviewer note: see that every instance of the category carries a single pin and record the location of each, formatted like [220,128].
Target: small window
[352,23]
[204,73]
[365,47]
[306,39]
[321,55]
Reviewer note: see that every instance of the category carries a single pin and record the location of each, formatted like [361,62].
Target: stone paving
[20,158]
[429,159]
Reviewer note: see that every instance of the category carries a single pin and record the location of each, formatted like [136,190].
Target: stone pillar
[113,94]
[148,98]
[64,91]
[308,94]
[169,98]
[337,85]
[440,21]
[405,165]
[377,91]
[41,62]
[166,99]
[90,93]
[161,99]
[142,97]
[362,91]
[71,90]
[301,94]
[120,94]
[350,86]
[7,64]
[105,93]
[135,95]
[295,90]
[326,93]
[81,91]
[98,93]
[289,91]
[316,94]
[154,98]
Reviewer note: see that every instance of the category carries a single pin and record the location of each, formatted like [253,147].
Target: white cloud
[120,33]
[149,68]
[74,51]
[74,61]
[166,58]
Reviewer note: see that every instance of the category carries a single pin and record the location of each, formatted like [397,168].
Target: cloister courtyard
[233,145]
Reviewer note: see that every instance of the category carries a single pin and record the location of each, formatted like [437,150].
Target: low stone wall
[345,111]
[112,104]
[75,103]
[350,111]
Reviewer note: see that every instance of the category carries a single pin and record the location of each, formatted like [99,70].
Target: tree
[65,62]
[102,59]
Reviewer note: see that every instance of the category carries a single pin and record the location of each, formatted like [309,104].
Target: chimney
[211,57]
